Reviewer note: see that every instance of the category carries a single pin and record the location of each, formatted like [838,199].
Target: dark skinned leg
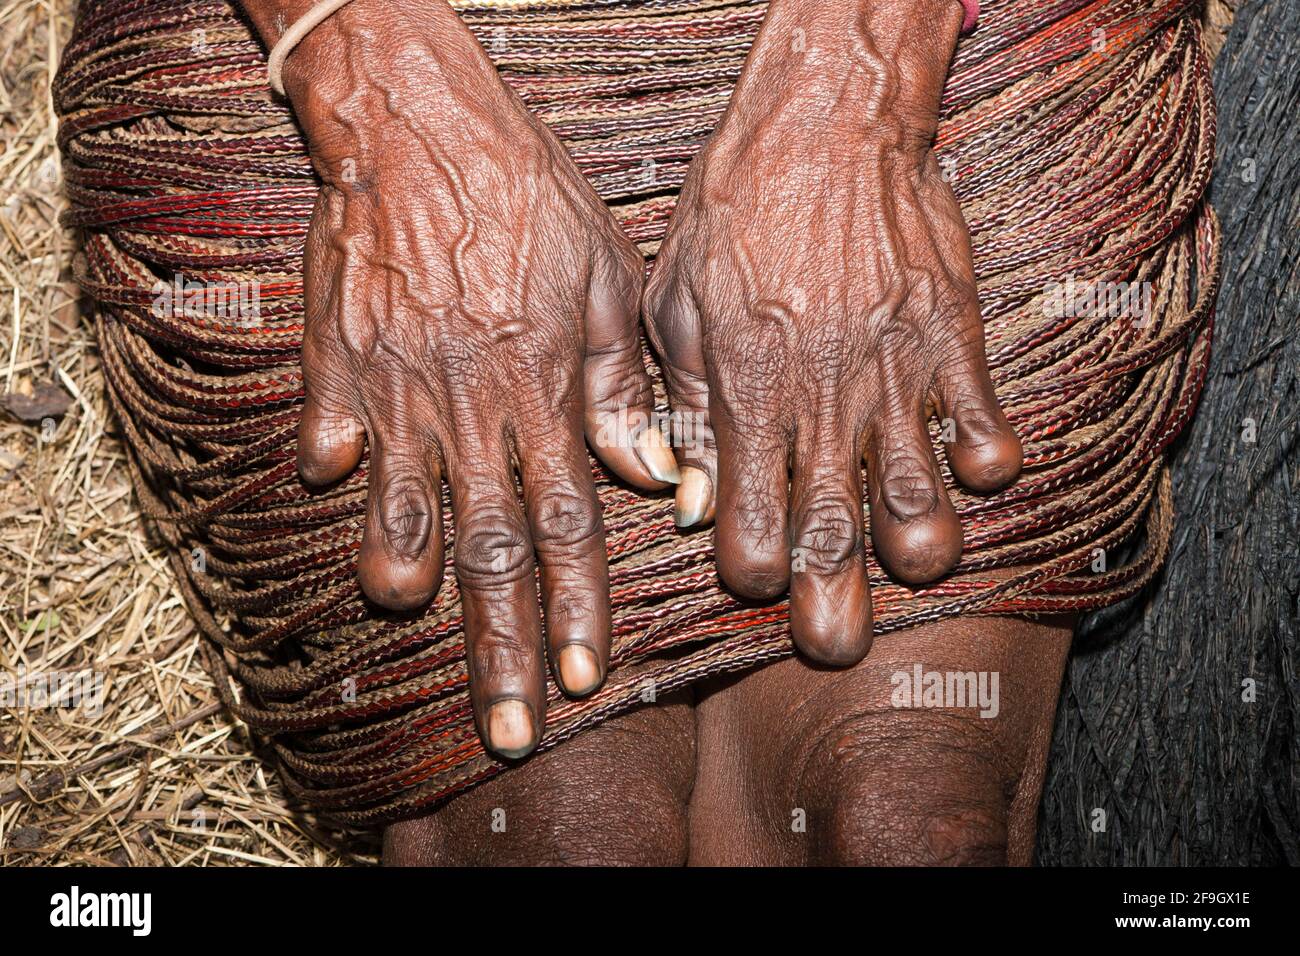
[802,765]
[615,794]
[875,784]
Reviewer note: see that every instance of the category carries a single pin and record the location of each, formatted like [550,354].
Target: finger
[495,570]
[401,559]
[620,420]
[569,541]
[330,442]
[675,330]
[914,528]
[331,438]
[751,536]
[830,595]
[986,454]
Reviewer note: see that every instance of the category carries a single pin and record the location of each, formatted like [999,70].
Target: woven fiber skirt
[1079,137]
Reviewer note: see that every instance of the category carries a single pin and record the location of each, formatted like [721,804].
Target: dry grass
[161,775]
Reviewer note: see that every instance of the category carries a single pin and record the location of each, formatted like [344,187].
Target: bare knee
[576,820]
[904,789]
[615,795]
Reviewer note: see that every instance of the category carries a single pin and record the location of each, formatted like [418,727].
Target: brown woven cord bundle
[1079,137]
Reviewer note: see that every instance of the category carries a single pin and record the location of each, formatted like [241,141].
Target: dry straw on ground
[162,775]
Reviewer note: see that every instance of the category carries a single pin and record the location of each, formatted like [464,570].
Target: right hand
[471,309]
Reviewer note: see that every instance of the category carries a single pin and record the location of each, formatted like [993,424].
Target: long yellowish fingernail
[579,669]
[653,450]
[693,496]
[511,732]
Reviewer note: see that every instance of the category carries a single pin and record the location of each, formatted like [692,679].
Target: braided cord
[1073,160]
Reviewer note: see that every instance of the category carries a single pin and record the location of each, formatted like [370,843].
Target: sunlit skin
[474,312]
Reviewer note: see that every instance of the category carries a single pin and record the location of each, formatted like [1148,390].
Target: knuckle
[328,444]
[687,389]
[327,383]
[907,476]
[315,467]
[831,644]
[748,401]
[394,357]
[358,336]
[747,357]
[690,431]
[492,548]
[651,297]
[325,432]
[318,351]
[566,522]
[991,456]
[455,353]
[324,445]
[405,513]
[894,333]
[829,537]
[655,292]
[979,430]
[672,320]
[953,301]
[754,521]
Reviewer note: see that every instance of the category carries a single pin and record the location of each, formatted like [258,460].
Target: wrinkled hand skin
[814,302]
[471,310]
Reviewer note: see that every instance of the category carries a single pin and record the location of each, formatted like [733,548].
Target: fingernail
[579,669]
[653,450]
[692,497]
[510,728]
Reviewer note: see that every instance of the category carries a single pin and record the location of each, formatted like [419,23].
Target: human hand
[471,310]
[813,302]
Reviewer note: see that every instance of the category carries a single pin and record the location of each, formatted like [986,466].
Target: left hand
[814,302]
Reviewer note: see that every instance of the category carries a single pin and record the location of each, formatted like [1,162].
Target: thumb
[677,333]
[619,414]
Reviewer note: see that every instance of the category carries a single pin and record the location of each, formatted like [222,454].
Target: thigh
[930,751]
[614,794]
